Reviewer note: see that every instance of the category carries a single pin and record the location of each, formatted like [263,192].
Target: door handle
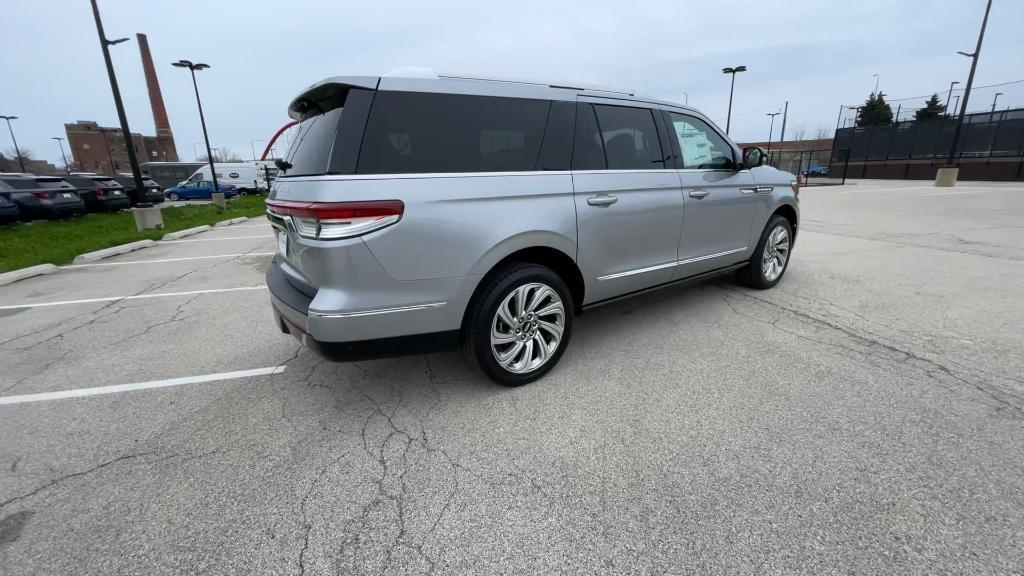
[602,200]
[698,193]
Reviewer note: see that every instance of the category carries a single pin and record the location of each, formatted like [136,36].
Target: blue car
[199,189]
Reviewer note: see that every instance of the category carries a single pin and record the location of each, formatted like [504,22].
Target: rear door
[629,208]
[719,197]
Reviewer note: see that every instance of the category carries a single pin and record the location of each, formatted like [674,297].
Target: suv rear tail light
[41,194]
[334,220]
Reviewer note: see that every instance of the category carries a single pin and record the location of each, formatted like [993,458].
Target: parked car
[43,196]
[8,209]
[99,193]
[414,213]
[199,189]
[154,193]
[816,170]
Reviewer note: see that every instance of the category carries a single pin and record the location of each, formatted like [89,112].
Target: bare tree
[800,132]
[822,132]
[221,155]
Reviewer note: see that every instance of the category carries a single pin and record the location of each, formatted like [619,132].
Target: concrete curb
[223,223]
[113,251]
[22,273]
[185,232]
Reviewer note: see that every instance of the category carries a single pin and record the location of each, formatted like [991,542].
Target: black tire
[753,274]
[173,196]
[476,337]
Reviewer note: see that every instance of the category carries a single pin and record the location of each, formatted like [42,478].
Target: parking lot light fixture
[732,85]
[949,94]
[126,132]
[770,128]
[60,141]
[21,162]
[192,67]
[998,94]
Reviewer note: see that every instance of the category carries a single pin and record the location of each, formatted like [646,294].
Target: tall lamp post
[947,174]
[60,141]
[950,94]
[21,162]
[192,67]
[252,147]
[998,94]
[732,86]
[770,128]
[876,83]
[129,144]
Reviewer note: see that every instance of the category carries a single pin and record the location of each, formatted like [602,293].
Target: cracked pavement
[865,416]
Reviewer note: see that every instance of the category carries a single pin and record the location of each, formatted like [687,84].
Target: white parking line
[214,239]
[80,392]
[162,260]
[134,297]
[975,191]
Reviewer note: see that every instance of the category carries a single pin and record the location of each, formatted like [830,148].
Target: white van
[248,177]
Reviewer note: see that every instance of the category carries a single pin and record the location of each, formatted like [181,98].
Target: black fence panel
[991,142]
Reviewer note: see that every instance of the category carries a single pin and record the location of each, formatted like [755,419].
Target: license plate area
[282,243]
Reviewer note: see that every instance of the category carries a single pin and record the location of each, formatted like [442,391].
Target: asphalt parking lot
[865,416]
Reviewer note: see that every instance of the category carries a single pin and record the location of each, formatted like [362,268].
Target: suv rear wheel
[520,326]
[771,257]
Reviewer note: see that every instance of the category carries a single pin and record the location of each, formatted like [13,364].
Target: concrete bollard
[218,200]
[148,218]
[946,176]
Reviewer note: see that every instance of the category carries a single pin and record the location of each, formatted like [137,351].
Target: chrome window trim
[668,265]
[377,311]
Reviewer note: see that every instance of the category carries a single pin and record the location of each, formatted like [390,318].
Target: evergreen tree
[933,108]
[875,111]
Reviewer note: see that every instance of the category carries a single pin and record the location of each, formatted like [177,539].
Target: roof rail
[580,87]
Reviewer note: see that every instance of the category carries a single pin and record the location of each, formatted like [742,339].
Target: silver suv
[418,212]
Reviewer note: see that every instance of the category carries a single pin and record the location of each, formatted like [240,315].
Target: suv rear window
[416,132]
[52,183]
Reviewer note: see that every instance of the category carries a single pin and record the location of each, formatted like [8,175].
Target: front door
[629,206]
[719,199]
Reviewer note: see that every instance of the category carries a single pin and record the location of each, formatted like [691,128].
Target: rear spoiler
[327,95]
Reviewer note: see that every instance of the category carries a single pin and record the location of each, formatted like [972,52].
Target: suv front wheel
[519,327]
[770,258]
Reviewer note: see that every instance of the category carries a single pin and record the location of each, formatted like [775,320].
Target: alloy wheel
[527,327]
[776,253]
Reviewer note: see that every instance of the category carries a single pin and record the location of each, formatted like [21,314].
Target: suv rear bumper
[341,335]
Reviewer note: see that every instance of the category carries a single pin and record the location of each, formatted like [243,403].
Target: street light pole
[60,141]
[970,81]
[732,86]
[252,146]
[950,95]
[21,162]
[998,94]
[876,83]
[192,67]
[129,144]
[770,128]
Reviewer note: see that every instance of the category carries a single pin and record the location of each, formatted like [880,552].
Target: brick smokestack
[156,99]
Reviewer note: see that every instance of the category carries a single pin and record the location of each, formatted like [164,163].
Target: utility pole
[998,94]
[782,133]
[129,144]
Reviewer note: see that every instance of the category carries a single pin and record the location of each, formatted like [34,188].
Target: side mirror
[754,157]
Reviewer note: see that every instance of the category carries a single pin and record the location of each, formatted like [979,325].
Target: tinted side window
[587,150]
[630,138]
[415,132]
[312,145]
[700,146]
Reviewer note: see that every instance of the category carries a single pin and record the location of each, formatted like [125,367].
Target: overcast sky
[817,54]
